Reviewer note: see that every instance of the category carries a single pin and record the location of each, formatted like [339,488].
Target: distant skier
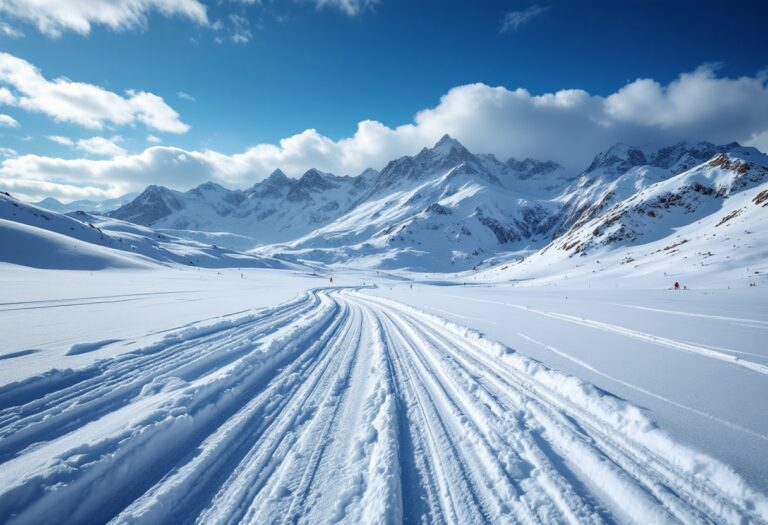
[331,280]
[677,285]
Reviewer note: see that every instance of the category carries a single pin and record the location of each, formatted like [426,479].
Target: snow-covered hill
[33,236]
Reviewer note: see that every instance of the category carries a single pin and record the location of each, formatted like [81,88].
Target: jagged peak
[619,157]
[277,175]
[312,174]
[447,144]
[684,155]
[741,155]
[210,186]
[155,188]
[529,164]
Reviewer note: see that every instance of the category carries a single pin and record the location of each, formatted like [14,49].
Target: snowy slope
[622,171]
[338,406]
[707,224]
[32,236]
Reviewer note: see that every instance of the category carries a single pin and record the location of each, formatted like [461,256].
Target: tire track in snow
[344,407]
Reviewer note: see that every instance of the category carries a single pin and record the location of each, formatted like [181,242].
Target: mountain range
[443,209]
[447,209]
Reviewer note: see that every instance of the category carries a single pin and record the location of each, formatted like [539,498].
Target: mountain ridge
[444,208]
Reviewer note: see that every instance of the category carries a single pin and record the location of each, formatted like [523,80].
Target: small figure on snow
[677,285]
[331,279]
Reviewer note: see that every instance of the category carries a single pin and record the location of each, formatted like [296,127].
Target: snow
[231,398]
[693,358]
[32,236]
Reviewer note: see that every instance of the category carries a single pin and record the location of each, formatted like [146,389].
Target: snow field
[339,406]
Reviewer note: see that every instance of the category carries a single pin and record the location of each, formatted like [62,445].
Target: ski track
[681,346]
[343,407]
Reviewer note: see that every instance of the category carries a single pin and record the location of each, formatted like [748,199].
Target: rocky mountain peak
[618,159]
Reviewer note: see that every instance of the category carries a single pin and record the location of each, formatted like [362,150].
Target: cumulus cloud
[102,146]
[514,20]
[568,126]
[81,103]
[8,121]
[53,17]
[93,145]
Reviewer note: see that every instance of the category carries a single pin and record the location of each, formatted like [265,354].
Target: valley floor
[260,396]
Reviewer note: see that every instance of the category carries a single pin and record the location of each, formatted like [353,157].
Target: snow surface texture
[339,406]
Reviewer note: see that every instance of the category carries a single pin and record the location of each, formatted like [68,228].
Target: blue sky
[260,72]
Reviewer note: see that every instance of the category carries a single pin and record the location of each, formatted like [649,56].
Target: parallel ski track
[336,407]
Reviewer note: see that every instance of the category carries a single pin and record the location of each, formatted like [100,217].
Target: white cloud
[9,31]
[93,145]
[568,126]
[64,141]
[152,139]
[6,97]
[8,152]
[85,104]
[513,20]
[185,96]
[348,7]
[53,17]
[8,121]
[241,29]
[101,146]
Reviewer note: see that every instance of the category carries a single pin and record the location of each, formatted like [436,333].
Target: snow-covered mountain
[709,221]
[443,209]
[621,171]
[276,209]
[33,236]
[657,210]
[100,207]
[446,209]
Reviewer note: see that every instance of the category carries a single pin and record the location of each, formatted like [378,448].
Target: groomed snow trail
[342,407]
